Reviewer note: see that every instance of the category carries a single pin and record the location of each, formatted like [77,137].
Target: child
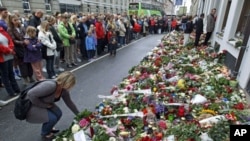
[32,52]
[90,45]
[113,44]
[93,31]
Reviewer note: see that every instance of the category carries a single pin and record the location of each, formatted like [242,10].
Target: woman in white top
[46,38]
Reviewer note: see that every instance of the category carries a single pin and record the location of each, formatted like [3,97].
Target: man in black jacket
[35,21]
[199,29]
[83,30]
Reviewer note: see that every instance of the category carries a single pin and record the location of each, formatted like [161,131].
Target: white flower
[112,139]
[65,139]
[75,128]
[126,110]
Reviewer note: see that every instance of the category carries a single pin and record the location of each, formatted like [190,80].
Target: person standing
[67,33]
[44,97]
[188,30]
[100,34]
[32,52]
[122,32]
[199,30]
[210,25]
[83,31]
[6,56]
[59,43]
[46,38]
[113,44]
[90,45]
[17,33]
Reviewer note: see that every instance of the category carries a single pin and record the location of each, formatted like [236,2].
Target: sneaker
[69,66]
[44,70]
[74,64]
[17,77]
[53,77]
[61,69]
[79,60]
[3,103]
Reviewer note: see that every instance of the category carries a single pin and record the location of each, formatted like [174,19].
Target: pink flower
[83,123]
[162,124]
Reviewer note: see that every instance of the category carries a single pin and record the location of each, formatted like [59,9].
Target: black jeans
[100,46]
[8,78]
[25,68]
[197,39]
[208,35]
[50,66]
[83,49]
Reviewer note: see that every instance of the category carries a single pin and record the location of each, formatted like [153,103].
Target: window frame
[47,3]
[26,2]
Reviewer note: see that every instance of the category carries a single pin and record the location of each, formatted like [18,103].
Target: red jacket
[109,35]
[3,49]
[99,30]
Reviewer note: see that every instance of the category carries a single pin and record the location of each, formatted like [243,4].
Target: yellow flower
[208,111]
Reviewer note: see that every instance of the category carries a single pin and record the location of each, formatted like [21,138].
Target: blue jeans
[8,78]
[122,40]
[54,115]
[50,66]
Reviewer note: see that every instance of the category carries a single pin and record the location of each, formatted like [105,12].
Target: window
[97,9]
[47,5]
[111,1]
[134,6]
[69,8]
[226,15]
[1,4]
[88,9]
[105,9]
[26,6]
[243,19]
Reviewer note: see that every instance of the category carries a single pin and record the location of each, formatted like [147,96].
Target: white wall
[244,72]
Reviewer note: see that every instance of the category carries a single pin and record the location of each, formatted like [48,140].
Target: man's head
[3,12]
[39,13]
[213,11]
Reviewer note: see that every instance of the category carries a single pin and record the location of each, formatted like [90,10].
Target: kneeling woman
[43,97]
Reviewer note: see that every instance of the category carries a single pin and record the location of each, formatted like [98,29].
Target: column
[233,18]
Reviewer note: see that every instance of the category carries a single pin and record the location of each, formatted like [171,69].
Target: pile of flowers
[174,94]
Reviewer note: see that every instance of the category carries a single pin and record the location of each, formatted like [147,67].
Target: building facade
[231,33]
[73,6]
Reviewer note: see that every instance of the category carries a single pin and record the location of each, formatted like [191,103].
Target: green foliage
[100,135]
[184,131]
[219,131]
[83,114]
[238,44]
[165,59]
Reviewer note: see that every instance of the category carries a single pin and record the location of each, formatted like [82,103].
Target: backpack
[23,105]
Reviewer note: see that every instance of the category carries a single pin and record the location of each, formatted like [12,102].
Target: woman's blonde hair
[72,18]
[50,19]
[66,79]
[31,31]
[43,26]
